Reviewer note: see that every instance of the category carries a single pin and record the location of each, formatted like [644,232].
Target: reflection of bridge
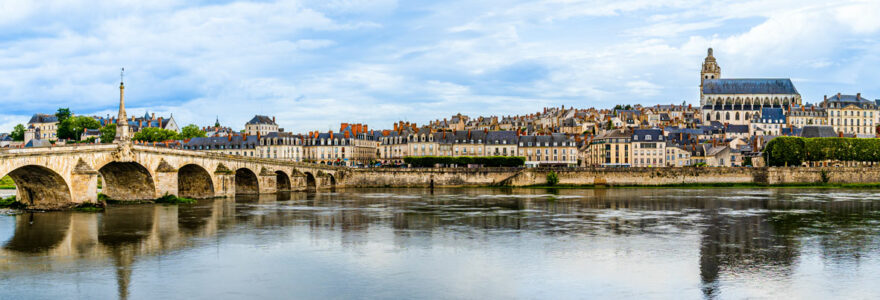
[61,176]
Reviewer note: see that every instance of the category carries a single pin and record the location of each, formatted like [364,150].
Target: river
[456,244]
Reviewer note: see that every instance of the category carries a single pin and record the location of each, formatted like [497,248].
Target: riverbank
[854,177]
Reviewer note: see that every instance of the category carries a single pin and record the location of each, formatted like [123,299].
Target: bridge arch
[246,182]
[41,187]
[332,180]
[282,181]
[127,181]
[311,183]
[193,181]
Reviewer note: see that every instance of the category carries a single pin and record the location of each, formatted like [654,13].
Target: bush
[792,151]
[11,202]
[552,178]
[486,161]
[172,199]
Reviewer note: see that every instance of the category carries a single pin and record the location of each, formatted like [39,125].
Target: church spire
[122,134]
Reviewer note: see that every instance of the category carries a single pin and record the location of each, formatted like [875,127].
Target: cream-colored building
[548,150]
[261,125]
[609,149]
[851,114]
[648,148]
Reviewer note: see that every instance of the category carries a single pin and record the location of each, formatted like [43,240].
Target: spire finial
[121,76]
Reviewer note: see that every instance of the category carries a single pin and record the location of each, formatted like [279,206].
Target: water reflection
[734,237]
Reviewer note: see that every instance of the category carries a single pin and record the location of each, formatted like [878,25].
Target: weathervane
[121,75]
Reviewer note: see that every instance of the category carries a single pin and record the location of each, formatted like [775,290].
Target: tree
[552,178]
[17,133]
[79,124]
[609,125]
[154,134]
[108,133]
[71,128]
[63,114]
[191,131]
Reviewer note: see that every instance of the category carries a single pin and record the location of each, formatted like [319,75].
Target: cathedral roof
[749,86]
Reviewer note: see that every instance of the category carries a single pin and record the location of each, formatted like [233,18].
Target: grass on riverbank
[11,202]
[6,183]
[717,185]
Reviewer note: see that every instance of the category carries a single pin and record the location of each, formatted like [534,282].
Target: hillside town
[733,122]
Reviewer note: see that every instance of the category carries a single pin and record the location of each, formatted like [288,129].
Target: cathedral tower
[711,70]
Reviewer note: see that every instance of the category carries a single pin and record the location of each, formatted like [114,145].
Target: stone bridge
[58,177]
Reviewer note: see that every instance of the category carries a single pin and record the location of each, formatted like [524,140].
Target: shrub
[552,178]
[172,199]
[792,151]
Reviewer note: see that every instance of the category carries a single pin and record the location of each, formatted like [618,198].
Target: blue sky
[316,63]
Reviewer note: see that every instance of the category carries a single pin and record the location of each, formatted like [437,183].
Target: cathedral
[737,101]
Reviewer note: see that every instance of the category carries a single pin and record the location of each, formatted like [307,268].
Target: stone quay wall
[461,177]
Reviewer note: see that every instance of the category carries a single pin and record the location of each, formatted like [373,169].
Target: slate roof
[498,137]
[236,142]
[749,86]
[812,131]
[645,135]
[258,119]
[772,115]
[546,140]
[43,118]
[738,129]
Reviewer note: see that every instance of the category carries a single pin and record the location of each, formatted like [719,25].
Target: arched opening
[246,182]
[193,181]
[311,184]
[127,181]
[332,181]
[40,187]
[282,181]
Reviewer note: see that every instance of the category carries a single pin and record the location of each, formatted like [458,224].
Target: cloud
[314,64]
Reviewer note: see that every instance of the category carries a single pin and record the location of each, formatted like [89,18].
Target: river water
[456,244]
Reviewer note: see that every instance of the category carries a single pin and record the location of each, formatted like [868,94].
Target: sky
[316,63]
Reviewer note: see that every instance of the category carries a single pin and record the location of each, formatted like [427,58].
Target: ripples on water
[456,243]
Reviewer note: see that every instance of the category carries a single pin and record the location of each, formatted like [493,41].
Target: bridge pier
[268,183]
[83,184]
[84,187]
[224,184]
[166,183]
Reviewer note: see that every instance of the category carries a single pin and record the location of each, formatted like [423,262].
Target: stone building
[548,150]
[609,149]
[771,121]
[648,148]
[262,125]
[851,114]
[41,127]
[737,101]
[802,116]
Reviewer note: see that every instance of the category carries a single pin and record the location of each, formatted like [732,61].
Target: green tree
[552,178]
[154,134]
[17,133]
[609,125]
[191,131]
[63,114]
[78,124]
[108,133]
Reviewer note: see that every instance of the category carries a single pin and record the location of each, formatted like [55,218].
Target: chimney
[273,119]
[858,96]
[153,116]
[838,96]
